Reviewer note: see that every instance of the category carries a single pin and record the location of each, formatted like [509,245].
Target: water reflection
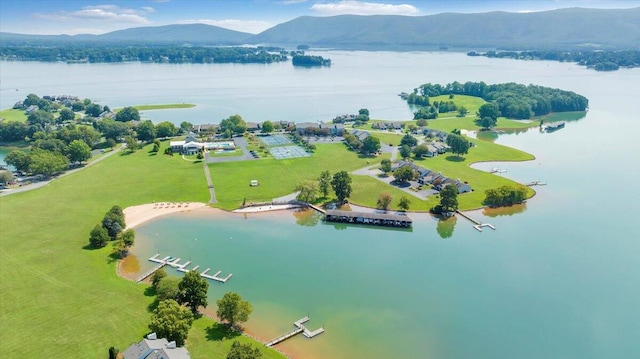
[504,211]
[307,217]
[445,227]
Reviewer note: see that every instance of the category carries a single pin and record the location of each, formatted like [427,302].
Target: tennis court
[285,152]
[275,140]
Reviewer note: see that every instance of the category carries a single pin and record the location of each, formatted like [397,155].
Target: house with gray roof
[153,348]
[361,135]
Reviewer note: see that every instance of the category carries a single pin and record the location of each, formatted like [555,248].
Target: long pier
[175,263]
[476,224]
[318,209]
[300,328]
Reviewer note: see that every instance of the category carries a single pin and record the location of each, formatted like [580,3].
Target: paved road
[36,185]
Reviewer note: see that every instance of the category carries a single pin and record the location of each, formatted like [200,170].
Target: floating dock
[175,263]
[375,219]
[479,226]
[299,328]
[536,183]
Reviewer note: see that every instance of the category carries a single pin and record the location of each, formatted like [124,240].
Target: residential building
[153,348]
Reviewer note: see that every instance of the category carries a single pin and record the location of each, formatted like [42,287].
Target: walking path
[36,185]
[207,175]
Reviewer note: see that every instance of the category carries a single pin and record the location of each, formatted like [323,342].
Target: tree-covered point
[513,100]
[159,54]
[597,60]
[309,61]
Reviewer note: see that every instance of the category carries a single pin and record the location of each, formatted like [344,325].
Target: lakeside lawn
[13,115]
[161,106]
[471,103]
[279,177]
[60,300]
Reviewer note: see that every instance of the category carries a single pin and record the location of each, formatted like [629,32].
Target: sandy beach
[136,215]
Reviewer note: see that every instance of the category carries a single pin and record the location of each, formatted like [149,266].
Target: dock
[317,209]
[175,263]
[299,328]
[476,224]
[497,170]
[161,263]
[536,183]
[375,219]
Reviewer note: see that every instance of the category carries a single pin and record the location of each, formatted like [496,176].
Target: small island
[310,61]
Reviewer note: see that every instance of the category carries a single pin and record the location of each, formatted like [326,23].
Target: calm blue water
[560,279]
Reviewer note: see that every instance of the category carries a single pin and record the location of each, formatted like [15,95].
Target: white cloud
[363,8]
[250,26]
[100,13]
[148,9]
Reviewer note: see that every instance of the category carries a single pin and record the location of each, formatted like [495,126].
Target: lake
[558,278]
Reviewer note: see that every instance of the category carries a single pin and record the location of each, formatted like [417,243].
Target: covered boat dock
[376,219]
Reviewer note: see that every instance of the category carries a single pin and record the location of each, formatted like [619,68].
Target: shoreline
[140,214]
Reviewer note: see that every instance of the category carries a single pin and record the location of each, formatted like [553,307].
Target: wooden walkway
[318,209]
[476,224]
[300,328]
[162,262]
[175,263]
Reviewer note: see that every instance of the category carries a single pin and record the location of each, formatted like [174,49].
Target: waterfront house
[153,348]
[253,126]
[305,127]
[336,129]
[361,135]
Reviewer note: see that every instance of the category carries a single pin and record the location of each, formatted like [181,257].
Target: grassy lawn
[472,103]
[11,115]
[160,106]
[60,300]
[387,137]
[279,177]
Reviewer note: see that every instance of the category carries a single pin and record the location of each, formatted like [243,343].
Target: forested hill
[177,34]
[557,29]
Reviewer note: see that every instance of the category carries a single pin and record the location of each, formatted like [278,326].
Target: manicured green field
[162,106]
[279,177]
[60,300]
[13,115]
[472,103]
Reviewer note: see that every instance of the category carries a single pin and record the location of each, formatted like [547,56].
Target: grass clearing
[13,115]
[472,103]
[279,177]
[60,300]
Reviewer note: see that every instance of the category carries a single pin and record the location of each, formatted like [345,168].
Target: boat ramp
[175,263]
[299,328]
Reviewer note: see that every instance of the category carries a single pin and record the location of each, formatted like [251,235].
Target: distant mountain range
[557,29]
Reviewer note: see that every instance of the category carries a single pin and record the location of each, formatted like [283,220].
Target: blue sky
[100,16]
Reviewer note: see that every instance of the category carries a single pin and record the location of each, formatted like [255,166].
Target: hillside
[564,28]
[182,33]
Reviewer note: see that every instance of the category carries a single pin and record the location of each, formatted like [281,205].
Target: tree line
[157,54]
[597,60]
[513,100]
[310,61]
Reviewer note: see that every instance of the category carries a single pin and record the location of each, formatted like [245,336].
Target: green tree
[19,159]
[420,151]
[421,122]
[78,151]
[403,174]
[132,143]
[404,203]
[172,321]
[186,126]
[408,140]
[193,291]
[341,184]
[40,118]
[93,110]
[232,309]
[385,165]
[113,222]
[267,127]
[489,109]
[233,124]
[363,115]
[113,353]
[384,201]
[111,143]
[146,131]
[166,129]
[112,129]
[47,163]
[6,177]
[125,239]
[66,115]
[156,277]
[128,114]
[449,199]
[243,351]
[488,122]
[98,237]
[168,288]
[462,111]
[370,145]
[459,144]
[324,183]
[405,151]
[308,191]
